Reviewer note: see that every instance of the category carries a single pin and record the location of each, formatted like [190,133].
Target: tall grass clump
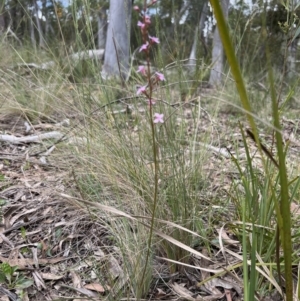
[265,202]
[144,164]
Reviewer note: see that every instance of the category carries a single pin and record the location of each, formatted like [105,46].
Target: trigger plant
[155,118]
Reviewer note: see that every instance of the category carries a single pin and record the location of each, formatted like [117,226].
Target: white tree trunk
[102,26]
[48,26]
[116,57]
[292,56]
[38,24]
[32,35]
[216,74]
[2,20]
[198,31]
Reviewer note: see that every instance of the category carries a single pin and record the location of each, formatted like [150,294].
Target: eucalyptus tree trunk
[2,24]
[198,32]
[102,26]
[38,25]
[48,26]
[2,19]
[292,57]
[216,73]
[14,14]
[32,35]
[117,54]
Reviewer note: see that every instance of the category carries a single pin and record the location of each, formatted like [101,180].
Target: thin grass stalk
[284,213]
[244,243]
[298,283]
[253,273]
[155,159]
[244,219]
[250,292]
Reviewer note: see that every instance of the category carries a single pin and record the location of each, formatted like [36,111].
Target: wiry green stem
[155,154]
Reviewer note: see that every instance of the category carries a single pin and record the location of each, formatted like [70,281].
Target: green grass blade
[285,214]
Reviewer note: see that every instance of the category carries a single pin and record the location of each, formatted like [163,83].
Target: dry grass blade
[181,245]
[106,208]
[171,224]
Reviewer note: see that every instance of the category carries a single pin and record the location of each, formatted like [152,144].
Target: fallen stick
[74,58]
[32,138]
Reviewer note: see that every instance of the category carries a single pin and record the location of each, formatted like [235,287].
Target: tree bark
[32,34]
[198,31]
[2,19]
[102,26]
[215,78]
[13,15]
[38,24]
[116,57]
[47,22]
[292,56]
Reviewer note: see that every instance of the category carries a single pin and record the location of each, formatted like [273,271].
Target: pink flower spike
[136,8]
[142,70]
[147,20]
[141,89]
[154,40]
[144,47]
[140,24]
[158,118]
[160,76]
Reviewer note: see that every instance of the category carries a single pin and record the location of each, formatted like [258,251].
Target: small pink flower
[141,89]
[136,8]
[140,24]
[147,20]
[158,118]
[144,47]
[151,102]
[160,76]
[142,70]
[154,40]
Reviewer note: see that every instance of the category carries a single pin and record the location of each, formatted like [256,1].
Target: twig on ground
[29,139]
[74,58]
[6,292]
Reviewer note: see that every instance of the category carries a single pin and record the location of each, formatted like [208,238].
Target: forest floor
[59,247]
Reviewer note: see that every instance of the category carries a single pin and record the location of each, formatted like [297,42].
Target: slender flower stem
[154,146]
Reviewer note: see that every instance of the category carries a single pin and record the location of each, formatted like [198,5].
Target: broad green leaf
[23,283]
